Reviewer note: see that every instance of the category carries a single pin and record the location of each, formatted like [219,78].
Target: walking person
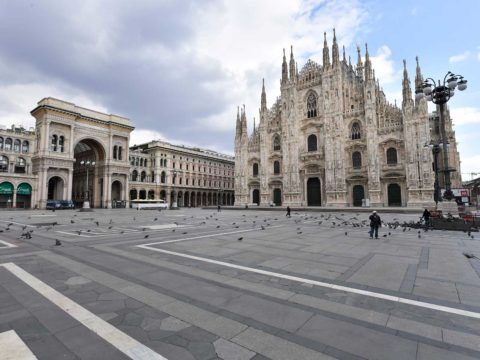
[288,212]
[375,223]
[219,208]
[426,216]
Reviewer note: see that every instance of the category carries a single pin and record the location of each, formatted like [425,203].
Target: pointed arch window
[134,175]
[163,177]
[276,143]
[115,152]
[355,133]
[143,176]
[120,151]
[255,169]
[357,160]
[312,142]
[311,105]
[392,156]
[276,167]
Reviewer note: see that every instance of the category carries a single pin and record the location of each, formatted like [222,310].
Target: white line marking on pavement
[69,233]
[7,244]
[126,344]
[13,348]
[204,236]
[426,305]
[16,223]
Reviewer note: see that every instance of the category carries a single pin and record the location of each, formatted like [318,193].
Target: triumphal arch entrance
[81,155]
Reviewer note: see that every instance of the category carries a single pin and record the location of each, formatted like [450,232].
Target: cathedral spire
[418,76]
[359,63]
[284,69]
[292,65]
[335,55]
[344,56]
[368,64]
[326,52]
[263,101]
[238,126]
[406,90]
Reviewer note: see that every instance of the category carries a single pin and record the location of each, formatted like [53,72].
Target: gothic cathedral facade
[332,139]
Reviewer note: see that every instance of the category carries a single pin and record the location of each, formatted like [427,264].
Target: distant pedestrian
[375,223]
[426,216]
[219,208]
[288,211]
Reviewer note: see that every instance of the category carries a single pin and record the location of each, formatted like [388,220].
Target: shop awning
[6,188]
[24,189]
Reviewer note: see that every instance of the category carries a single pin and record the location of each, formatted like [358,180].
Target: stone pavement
[197,284]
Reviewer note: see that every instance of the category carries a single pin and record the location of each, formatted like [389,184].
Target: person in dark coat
[288,212]
[375,223]
[426,216]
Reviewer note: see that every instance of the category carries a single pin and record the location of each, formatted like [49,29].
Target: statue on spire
[292,65]
[335,54]
[284,69]
[326,52]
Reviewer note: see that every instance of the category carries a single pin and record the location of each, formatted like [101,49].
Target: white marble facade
[332,139]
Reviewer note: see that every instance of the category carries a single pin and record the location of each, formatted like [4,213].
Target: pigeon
[97,223]
[121,232]
[155,219]
[346,233]
[299,232]
[110,227]
[173,230]
[79,232]
[263,227]
[240,239]
[111,220]
[389,233]
[146,236]
[72,222]
[218,226]
[57,242]
[184,233]
[384,235]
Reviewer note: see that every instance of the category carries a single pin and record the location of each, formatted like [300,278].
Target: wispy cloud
[465,115]
[459,58]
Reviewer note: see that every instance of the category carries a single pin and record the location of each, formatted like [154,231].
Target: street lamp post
[86,201]
[174,202]
[437,196]
[440,93]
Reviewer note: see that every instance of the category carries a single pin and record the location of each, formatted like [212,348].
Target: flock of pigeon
[326,220]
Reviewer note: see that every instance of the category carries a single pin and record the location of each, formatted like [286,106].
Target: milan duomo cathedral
[332,139]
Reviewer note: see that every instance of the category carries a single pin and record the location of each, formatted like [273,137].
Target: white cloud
[470,164]
[465,115]
[384,66]
[459,58]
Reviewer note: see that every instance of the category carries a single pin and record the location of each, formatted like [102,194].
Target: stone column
[14,202]
[109,191]
[126,190]
[43,188]
[69,185]
[47,136]
[72,149]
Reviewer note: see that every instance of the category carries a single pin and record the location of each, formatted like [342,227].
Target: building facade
[332,139]
[74,153]
[198,177]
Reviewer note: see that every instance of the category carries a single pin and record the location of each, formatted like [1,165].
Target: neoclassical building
[51,159]
[74,153]
[199,177]
[332,139]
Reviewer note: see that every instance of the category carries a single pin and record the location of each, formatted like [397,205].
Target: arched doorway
[89,158]
[199,199]
[24,196]
[142,195]
[187,199]
[133,194]
[6,194]
[180,199]
[55,188]
[256,196]
[192,199]
[314,197]
[116,191]
[358,194]
[204,199]
[277,197]
[209,199]
[151,195]
[163,195]
[394,195]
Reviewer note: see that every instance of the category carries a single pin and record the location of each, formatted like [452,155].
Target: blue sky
[178,69]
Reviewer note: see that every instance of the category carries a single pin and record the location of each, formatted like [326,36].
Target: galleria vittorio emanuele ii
[333,139]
